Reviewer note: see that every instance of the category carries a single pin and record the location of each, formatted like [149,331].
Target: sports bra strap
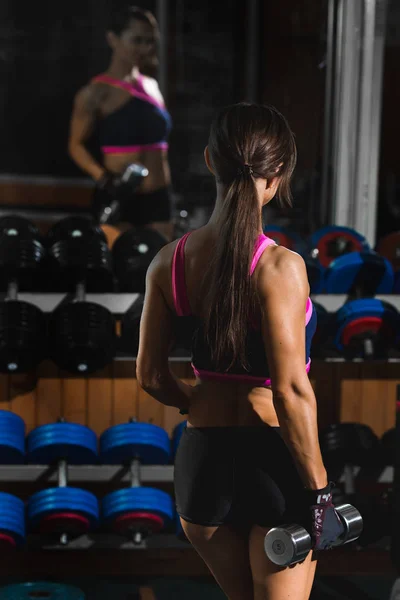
[179,291]
[262,243]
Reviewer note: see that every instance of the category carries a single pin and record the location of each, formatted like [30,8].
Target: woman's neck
[122,72]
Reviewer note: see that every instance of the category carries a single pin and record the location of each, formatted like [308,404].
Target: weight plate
[12,438]
[41,589]
[82,337]
[348,443]
[284,237]
[22,260]
[62,500]
[130,327]
[389,247]
[122,443]
[74,228]
[176,437]
[132,254]
[144,522]
[23,336]
[12,517]
[315,274]
[14,226]
[333,241]
[49,443]
[79,259]
[139,499]
[365,272]
[396,285]
[380,318]
[388,446]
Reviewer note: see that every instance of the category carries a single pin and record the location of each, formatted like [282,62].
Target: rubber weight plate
[348,443]
[122,443]
[388,446]
[176,437]
[132,254]
[82,337]
[137,500]
[130,324]
[334,241]
[362,272]
[389,247]
[366,318]
[14,226]
[74,228]
[12,438]
[81,259]
[23,336]
[22,260]
[41,589]
[12,520]
[284,237]
[62,500]
[49,443]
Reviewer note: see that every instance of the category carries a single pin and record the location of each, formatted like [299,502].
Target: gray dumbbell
[290,544]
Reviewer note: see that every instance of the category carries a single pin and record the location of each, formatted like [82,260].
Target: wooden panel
[4,397]
[43,196]
[350,392]
[100,400]
[149,410]
[22,395]
[74,398]
[48,394]
[323,377]
[125,394]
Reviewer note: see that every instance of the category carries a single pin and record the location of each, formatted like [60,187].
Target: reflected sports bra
[258,372]
[142,123]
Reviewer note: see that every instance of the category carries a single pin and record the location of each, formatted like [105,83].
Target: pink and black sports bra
[142,123]
[258,373]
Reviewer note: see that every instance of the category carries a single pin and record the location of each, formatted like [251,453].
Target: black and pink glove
[326,525]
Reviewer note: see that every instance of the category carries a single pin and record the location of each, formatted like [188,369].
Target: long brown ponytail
[247,141]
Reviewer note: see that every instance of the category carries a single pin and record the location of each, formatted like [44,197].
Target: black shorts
[238,475]
[137,209]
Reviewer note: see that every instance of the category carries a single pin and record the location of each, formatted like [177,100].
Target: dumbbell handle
[12,290]
[80,292]
[134,473]
[62,472]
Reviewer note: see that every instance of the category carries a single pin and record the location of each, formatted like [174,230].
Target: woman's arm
[81,127]
[283,291]
[155,340]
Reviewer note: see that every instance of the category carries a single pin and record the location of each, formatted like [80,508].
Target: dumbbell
[366,328]
[82,334]
[290,544]
[12,522]
[389,247]
[115,190]
[136,512]
[22,325]
[132,254]
[351,267]
[41,589]
[63,511]
[12,438]
[293,241]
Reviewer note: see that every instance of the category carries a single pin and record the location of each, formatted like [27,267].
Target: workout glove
[326,526]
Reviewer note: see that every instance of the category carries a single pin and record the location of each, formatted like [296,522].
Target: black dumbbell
[113,191]
[64,512]
[82,334]
[290,544]
[130,324]
[132,253]
[136,512]
[22,325]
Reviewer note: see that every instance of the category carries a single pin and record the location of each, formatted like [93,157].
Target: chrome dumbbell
[290,544]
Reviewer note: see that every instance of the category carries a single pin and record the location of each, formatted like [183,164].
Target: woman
[128,112]
[249,458]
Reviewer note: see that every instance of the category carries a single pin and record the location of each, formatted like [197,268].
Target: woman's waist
[157,164]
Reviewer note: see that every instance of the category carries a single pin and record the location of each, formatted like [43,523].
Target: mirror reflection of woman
[127,110]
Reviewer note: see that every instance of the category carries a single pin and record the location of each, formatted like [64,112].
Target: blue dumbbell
[12,521]
[64,511]
[41,589]
[12,438]
[136,512]
[366,328]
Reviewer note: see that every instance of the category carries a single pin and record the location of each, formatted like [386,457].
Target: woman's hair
[121,19]
[247,142]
